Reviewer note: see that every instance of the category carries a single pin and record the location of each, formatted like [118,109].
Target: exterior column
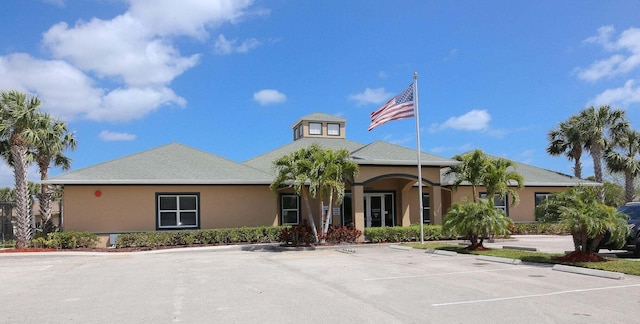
[436,205]
[405,204]
[357,199]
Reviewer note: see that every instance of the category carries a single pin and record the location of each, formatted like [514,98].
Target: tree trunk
[23,221]
[325,228]
[577,169]
[45,197]
[596,153]
[629,192]
[305,197]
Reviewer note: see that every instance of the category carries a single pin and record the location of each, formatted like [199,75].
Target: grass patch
[615,264]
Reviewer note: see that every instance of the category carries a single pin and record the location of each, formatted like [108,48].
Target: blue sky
[231,77]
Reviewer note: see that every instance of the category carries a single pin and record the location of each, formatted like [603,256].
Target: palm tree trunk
[596,153]
[577,169]
[45,200]
[305,197]
[629,192]
[23,226]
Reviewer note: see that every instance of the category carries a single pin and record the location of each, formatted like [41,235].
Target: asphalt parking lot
[367,284]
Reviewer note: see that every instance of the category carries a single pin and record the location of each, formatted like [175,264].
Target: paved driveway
[368,284]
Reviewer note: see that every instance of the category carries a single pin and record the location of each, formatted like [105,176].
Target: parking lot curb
[589,272]
[521,248]
[442,252]
[499,259]
[400,247]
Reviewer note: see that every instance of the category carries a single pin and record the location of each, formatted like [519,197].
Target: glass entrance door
[379,209]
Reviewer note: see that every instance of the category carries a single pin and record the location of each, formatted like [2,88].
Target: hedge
[403,234]
[66,240]
[539,228]
[262,234]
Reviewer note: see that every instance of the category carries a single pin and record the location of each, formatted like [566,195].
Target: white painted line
[445,274]
[564,292]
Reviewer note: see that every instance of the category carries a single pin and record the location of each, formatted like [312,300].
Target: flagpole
[415,103]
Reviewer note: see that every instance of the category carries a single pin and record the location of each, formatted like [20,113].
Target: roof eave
[157,182]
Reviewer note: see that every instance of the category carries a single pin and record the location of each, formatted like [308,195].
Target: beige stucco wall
[129,208]
[524,211]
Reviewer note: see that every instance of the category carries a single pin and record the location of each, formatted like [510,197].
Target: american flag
[398,107]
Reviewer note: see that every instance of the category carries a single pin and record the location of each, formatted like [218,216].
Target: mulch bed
[577,256]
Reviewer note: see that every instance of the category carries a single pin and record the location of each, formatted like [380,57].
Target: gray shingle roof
[264,162]
[385,153]
[534,177]
[320,117]
[169,164]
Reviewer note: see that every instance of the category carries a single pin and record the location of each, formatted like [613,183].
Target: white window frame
[313,131]
[178,210]
[333,132]
[535,195]
[496,199]
[283,210]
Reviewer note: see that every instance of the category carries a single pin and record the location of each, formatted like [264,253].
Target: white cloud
[623,96]
[625,54]
[371,96]
[115,136]
[225,47]
[187,17]
[442,149]
[134,52]
[474,120]
[6,174]
[269,96]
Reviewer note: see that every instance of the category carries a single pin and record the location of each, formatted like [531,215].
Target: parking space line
[446,273]
[532,296]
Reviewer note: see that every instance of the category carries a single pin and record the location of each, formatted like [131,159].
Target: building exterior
[178,187]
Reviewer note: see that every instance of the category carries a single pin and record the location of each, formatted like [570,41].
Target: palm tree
[567,140]
[476,220]
[598,128]
[55,138]
[19,113]
[330,172]
[626,161]
[499,180]
[294,170]
[471,170]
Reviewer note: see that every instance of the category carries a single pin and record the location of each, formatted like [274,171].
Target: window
[499,203]
[315,128]
[178,210]
[290,209]
[540,196]
[333,129]
[426,216]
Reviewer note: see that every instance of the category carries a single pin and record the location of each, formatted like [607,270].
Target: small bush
[403,233]
[66,240]
[261,234]
[298,235]
[539,228]
[341,234]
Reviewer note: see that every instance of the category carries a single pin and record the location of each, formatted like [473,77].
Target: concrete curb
[499,259]
[589,272]
[442,252]
[400,247]
[521,248]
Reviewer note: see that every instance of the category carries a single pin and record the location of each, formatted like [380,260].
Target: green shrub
[66,240]
[539,228]
[403,233]
[261,234]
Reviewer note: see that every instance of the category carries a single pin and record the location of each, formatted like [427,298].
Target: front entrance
[379,209]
